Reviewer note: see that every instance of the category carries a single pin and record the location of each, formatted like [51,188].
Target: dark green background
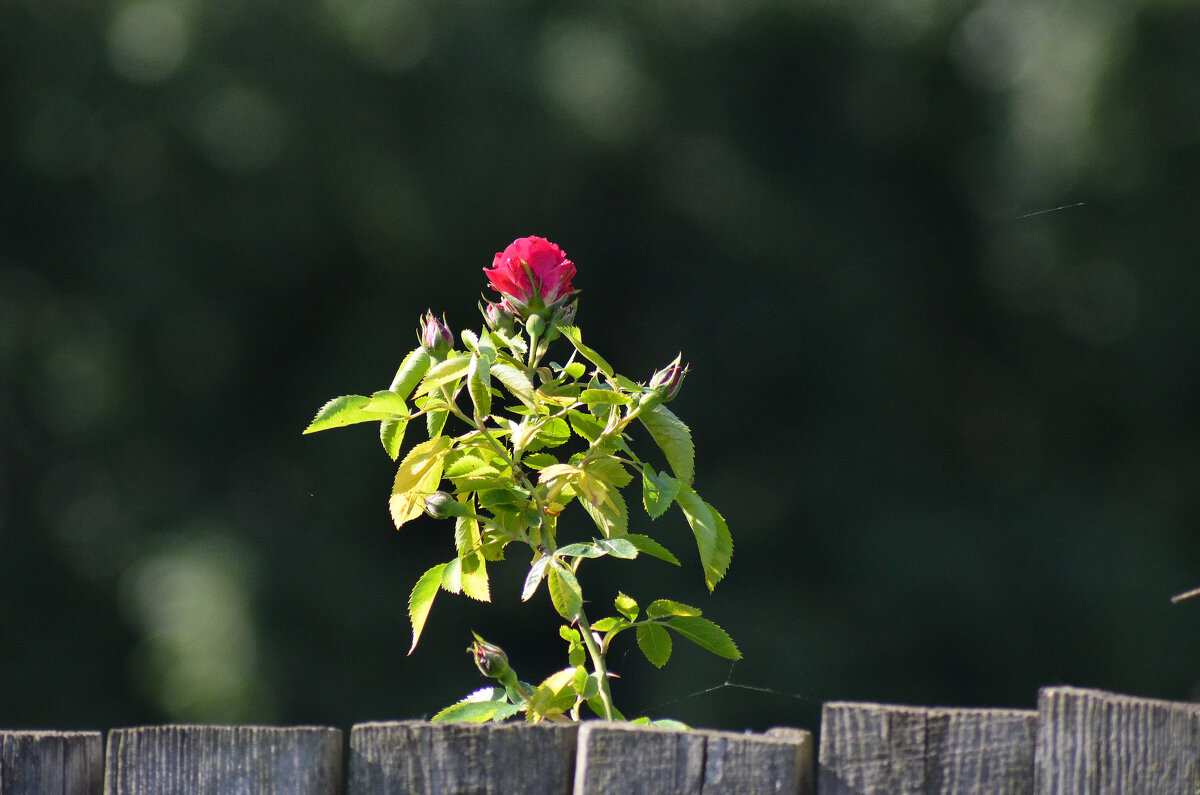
[955,430]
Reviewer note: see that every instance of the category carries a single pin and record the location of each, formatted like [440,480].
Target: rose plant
[506,474]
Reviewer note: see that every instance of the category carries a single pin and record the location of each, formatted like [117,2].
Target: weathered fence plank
[421,757]
[1090,741]
[52,762]
[231,760]
[875,748]
[624,759]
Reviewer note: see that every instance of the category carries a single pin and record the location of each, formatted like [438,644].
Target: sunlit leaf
[564,592]
[536,572]
[658,491]
[627,606]
[421,600]
[343,411]
[418,476]
[661,608]
[444,372]
[391,435]
[515,382]
[655,643]
[674,439]
[651,547]
[411,371]
[479,385]
[573,334]
[712,535]
[706,635]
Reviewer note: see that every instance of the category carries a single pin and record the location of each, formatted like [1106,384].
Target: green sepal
[655,643]
[421,600]
[706,635]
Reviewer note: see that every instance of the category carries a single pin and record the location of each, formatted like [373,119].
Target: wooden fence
[1077,741]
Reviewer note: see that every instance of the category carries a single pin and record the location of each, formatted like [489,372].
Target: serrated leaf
[627,606]
[469,543]
[604,396]
[515,382]
[706,635]
[585,425]
[674,438]
[658,491]
[607,510]
[610,470]
[552,433]
[582,550]
[655,643]
[617,547]
[712,535]
[661,608]
[479,385]
[573,334]
[470,712]
[564,592]
[388,402]
[418,476]
[391,435]
[534,578]
[651,547]
[539,460]
[343,411]
[609,622]
[444,372]
[410,373]
[421,600]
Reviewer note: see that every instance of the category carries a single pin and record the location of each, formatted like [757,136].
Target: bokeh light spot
[148,40]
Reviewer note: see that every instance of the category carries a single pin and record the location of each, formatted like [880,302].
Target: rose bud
[440,505]
[564,315]
[436,338]
[532,274]
[666,382]
[491,660]
[499,317]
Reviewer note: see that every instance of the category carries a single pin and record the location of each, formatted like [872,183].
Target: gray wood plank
[876,748]
[1091,741]
[232,760]
[421,757]
[51,762]
[623,759]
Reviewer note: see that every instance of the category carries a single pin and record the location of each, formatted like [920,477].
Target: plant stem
[598,665]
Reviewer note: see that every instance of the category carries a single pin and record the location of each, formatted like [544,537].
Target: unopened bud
[436,338]
[440,505]
[491,660]
[499,316]
[565,314]
[535,325]
[667,381]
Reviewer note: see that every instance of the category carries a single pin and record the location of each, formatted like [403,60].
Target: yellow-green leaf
[418,476]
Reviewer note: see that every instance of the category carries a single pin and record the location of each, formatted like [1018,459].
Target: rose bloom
[549,266]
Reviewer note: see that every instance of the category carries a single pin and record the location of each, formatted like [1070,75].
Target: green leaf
[421,600]
[536,572]
[573,334]
[482,705]
[674,439]
[552,433]
[706,635]
[539,460]
[609,622]
[564,592]
[444,372]
[661,608]
[388,402]
[411,371]
[604,396]
[626,606]
[391,435]
[469,543]
[658,491]
[610,470]
[479,384]
[712,535]
[418,476]
[607,509]
[515,382]
[655,643]
[342,411]
[651,547]
[582,550]
[617,547]
[585,425]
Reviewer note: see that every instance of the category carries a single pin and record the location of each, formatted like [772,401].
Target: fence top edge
[793,736]
[38,734]
[996,712]
[1070,691]
[224,728]
[418,723]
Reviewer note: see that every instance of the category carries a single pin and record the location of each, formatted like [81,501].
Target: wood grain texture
[622,759]
[1091,741]
[51,762]
[421,757]
[231,760]
[876,748]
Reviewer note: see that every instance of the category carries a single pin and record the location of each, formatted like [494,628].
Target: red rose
[531,271]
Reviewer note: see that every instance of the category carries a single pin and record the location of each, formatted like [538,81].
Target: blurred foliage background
[934,265]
